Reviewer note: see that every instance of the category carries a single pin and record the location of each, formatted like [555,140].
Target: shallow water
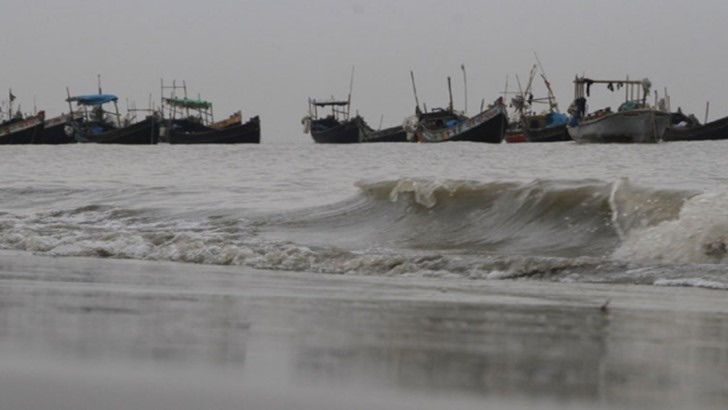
[643,214]
[92,333]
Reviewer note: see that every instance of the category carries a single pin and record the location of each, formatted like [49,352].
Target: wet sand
[80,333]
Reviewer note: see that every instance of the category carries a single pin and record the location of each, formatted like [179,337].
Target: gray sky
[267,57]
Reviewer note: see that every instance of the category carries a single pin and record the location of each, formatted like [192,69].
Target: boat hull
[248,133]
[323,132]
[392,134]
[144,132]
[714,130]
[27,131]
[556,133]
[634,126]
[488,126]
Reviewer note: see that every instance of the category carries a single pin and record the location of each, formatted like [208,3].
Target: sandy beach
[79,333]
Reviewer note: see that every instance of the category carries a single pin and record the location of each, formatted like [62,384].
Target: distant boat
[197,128]
[19,130]
[443,125]
[633,122]
[57,130]
[548,126]
[103,127]
[391,134]
[514,134]
[688,128]
[334,128]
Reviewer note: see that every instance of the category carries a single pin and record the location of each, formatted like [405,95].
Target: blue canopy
[94,99]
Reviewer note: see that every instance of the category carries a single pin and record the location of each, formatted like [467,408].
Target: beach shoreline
[308,340]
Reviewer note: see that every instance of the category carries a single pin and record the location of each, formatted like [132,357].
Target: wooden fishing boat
[57,130]
[191,121]
[19,130]
[246,133]
[514,133]
[550,127]
[103,127]
[633,122]
[688,128]
[334,128]
[447,125]
[391,134]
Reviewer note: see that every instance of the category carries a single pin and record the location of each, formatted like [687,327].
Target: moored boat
[19,130]
[104,127]
[199,127]
[633,122]
[57,130]
[447,125]
[390,134]
[688,128]
[334,128]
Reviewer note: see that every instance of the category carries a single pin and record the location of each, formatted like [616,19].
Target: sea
[391,275]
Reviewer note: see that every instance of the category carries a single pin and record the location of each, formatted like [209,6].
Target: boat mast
[417,101]
[351,88]
[465,86]
[449,90]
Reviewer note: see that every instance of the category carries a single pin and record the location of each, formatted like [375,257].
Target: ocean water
[453,275]
[640,214]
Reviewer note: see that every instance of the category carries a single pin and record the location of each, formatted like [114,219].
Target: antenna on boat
[465,85]
[98,82]
[449,90]
[351,88]
[70,106]
[417,101]
[552,99]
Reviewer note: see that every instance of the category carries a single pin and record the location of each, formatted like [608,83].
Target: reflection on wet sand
[504,340]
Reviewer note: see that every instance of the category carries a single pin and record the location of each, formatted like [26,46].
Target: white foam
[698,235]
[692,282]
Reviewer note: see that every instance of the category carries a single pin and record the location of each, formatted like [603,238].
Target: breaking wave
[610,231]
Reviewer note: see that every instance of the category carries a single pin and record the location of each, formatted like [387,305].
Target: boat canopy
[94,99]
[329,103]
[188,103]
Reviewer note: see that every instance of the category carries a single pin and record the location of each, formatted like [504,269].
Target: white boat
[633,122]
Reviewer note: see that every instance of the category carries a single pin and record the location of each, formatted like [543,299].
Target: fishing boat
[19,129]
[333,128]
[447,124]
[390,134]
[441,125]
[104,127]
[196,130]
[22,130]
[634,121]
[191,121]
[549,127]
[57,130]
[544,126]
[688,128]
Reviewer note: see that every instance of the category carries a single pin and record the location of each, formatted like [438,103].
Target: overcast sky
[266,57]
